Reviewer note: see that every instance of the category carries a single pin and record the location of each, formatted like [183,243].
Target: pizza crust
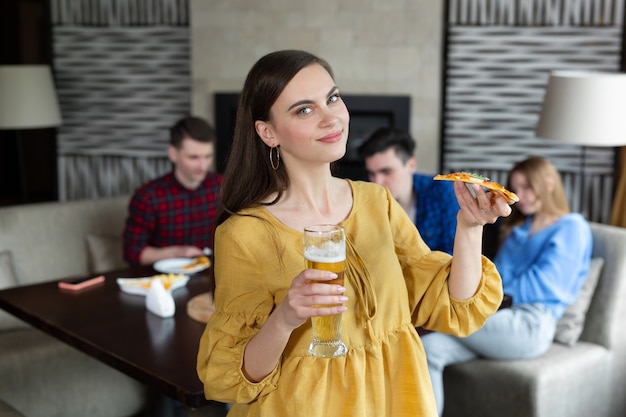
[470,178]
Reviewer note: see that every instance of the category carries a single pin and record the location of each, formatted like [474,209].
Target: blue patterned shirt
[435,212]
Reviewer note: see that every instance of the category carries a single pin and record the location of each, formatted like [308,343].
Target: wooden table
[116,328]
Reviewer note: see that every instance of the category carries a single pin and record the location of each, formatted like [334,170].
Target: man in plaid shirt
[173,215]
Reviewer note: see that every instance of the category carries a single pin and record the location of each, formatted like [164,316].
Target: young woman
[291,125]
[544,259]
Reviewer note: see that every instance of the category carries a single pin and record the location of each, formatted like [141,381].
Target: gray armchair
[586,379]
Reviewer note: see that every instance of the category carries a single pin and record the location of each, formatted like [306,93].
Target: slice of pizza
[471,178]
[196,262]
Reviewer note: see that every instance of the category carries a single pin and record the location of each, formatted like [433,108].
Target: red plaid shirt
[165,213]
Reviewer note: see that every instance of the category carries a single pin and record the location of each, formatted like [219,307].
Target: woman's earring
[277,164]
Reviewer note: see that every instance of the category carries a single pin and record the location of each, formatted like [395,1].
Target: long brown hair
[249,178]
[539,173]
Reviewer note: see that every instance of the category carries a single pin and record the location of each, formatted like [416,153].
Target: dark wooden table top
[117,329]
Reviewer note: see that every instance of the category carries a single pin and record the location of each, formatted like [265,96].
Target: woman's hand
[466,268]
[308,292]
[265,348]
[151,254]
[480,210]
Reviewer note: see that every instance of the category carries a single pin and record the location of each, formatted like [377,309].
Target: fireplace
[367,112]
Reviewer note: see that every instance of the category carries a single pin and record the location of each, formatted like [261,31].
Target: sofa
[40,375]
[584,377]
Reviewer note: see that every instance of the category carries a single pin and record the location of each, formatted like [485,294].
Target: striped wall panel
[120,89]
[499,56]
[122,70]
[89,176]
[120,12]
[536,12]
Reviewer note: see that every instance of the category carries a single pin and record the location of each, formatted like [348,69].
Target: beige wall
[374,47]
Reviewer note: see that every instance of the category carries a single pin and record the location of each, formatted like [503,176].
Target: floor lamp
[584,108]
[27,101]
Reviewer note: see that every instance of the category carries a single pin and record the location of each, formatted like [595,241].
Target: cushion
[105,253]
[7,276]
[7,280]
[570,326]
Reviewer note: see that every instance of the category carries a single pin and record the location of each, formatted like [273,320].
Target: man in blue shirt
[432,205]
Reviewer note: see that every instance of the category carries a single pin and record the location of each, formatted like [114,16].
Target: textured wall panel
[102,176]
[536,12]
[120,12]
[123,78]
[499,57]
[120,89]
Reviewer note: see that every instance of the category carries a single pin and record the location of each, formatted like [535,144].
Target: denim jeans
[520,332]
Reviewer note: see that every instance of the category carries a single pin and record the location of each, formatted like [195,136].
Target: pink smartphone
[75,284]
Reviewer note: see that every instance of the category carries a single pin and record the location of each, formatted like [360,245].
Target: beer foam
[336,254]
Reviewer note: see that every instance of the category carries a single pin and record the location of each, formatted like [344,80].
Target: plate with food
[183,265]
[140,286]
[471,178]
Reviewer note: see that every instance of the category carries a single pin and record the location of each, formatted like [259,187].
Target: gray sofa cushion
[105,253]
[56,233]
[570,326]
[7,280]
[566,381]
[7,276]
[64,375]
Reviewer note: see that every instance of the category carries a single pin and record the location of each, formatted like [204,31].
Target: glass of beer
[325,248]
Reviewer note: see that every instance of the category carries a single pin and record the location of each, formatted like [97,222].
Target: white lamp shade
[27,97]
[584,108]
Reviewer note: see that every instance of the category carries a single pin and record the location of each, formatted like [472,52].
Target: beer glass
[325,248]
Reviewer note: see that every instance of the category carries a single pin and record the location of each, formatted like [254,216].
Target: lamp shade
[584,108]
[27,97]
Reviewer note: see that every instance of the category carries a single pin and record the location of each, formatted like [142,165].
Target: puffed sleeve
[241,308]
[426,274]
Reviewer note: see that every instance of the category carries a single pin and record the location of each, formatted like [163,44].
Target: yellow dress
[394,283]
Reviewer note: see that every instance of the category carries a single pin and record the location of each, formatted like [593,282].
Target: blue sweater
[548,267]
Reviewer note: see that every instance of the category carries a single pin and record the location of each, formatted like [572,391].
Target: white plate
[174,266]
[140,286]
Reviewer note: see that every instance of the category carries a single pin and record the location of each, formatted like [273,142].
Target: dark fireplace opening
[367,113]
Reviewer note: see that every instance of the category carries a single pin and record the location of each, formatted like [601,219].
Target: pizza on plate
[203,261]
[471,178]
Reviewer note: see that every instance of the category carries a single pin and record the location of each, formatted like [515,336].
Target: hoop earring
[277,164]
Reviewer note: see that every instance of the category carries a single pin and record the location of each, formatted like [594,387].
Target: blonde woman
[543,260]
